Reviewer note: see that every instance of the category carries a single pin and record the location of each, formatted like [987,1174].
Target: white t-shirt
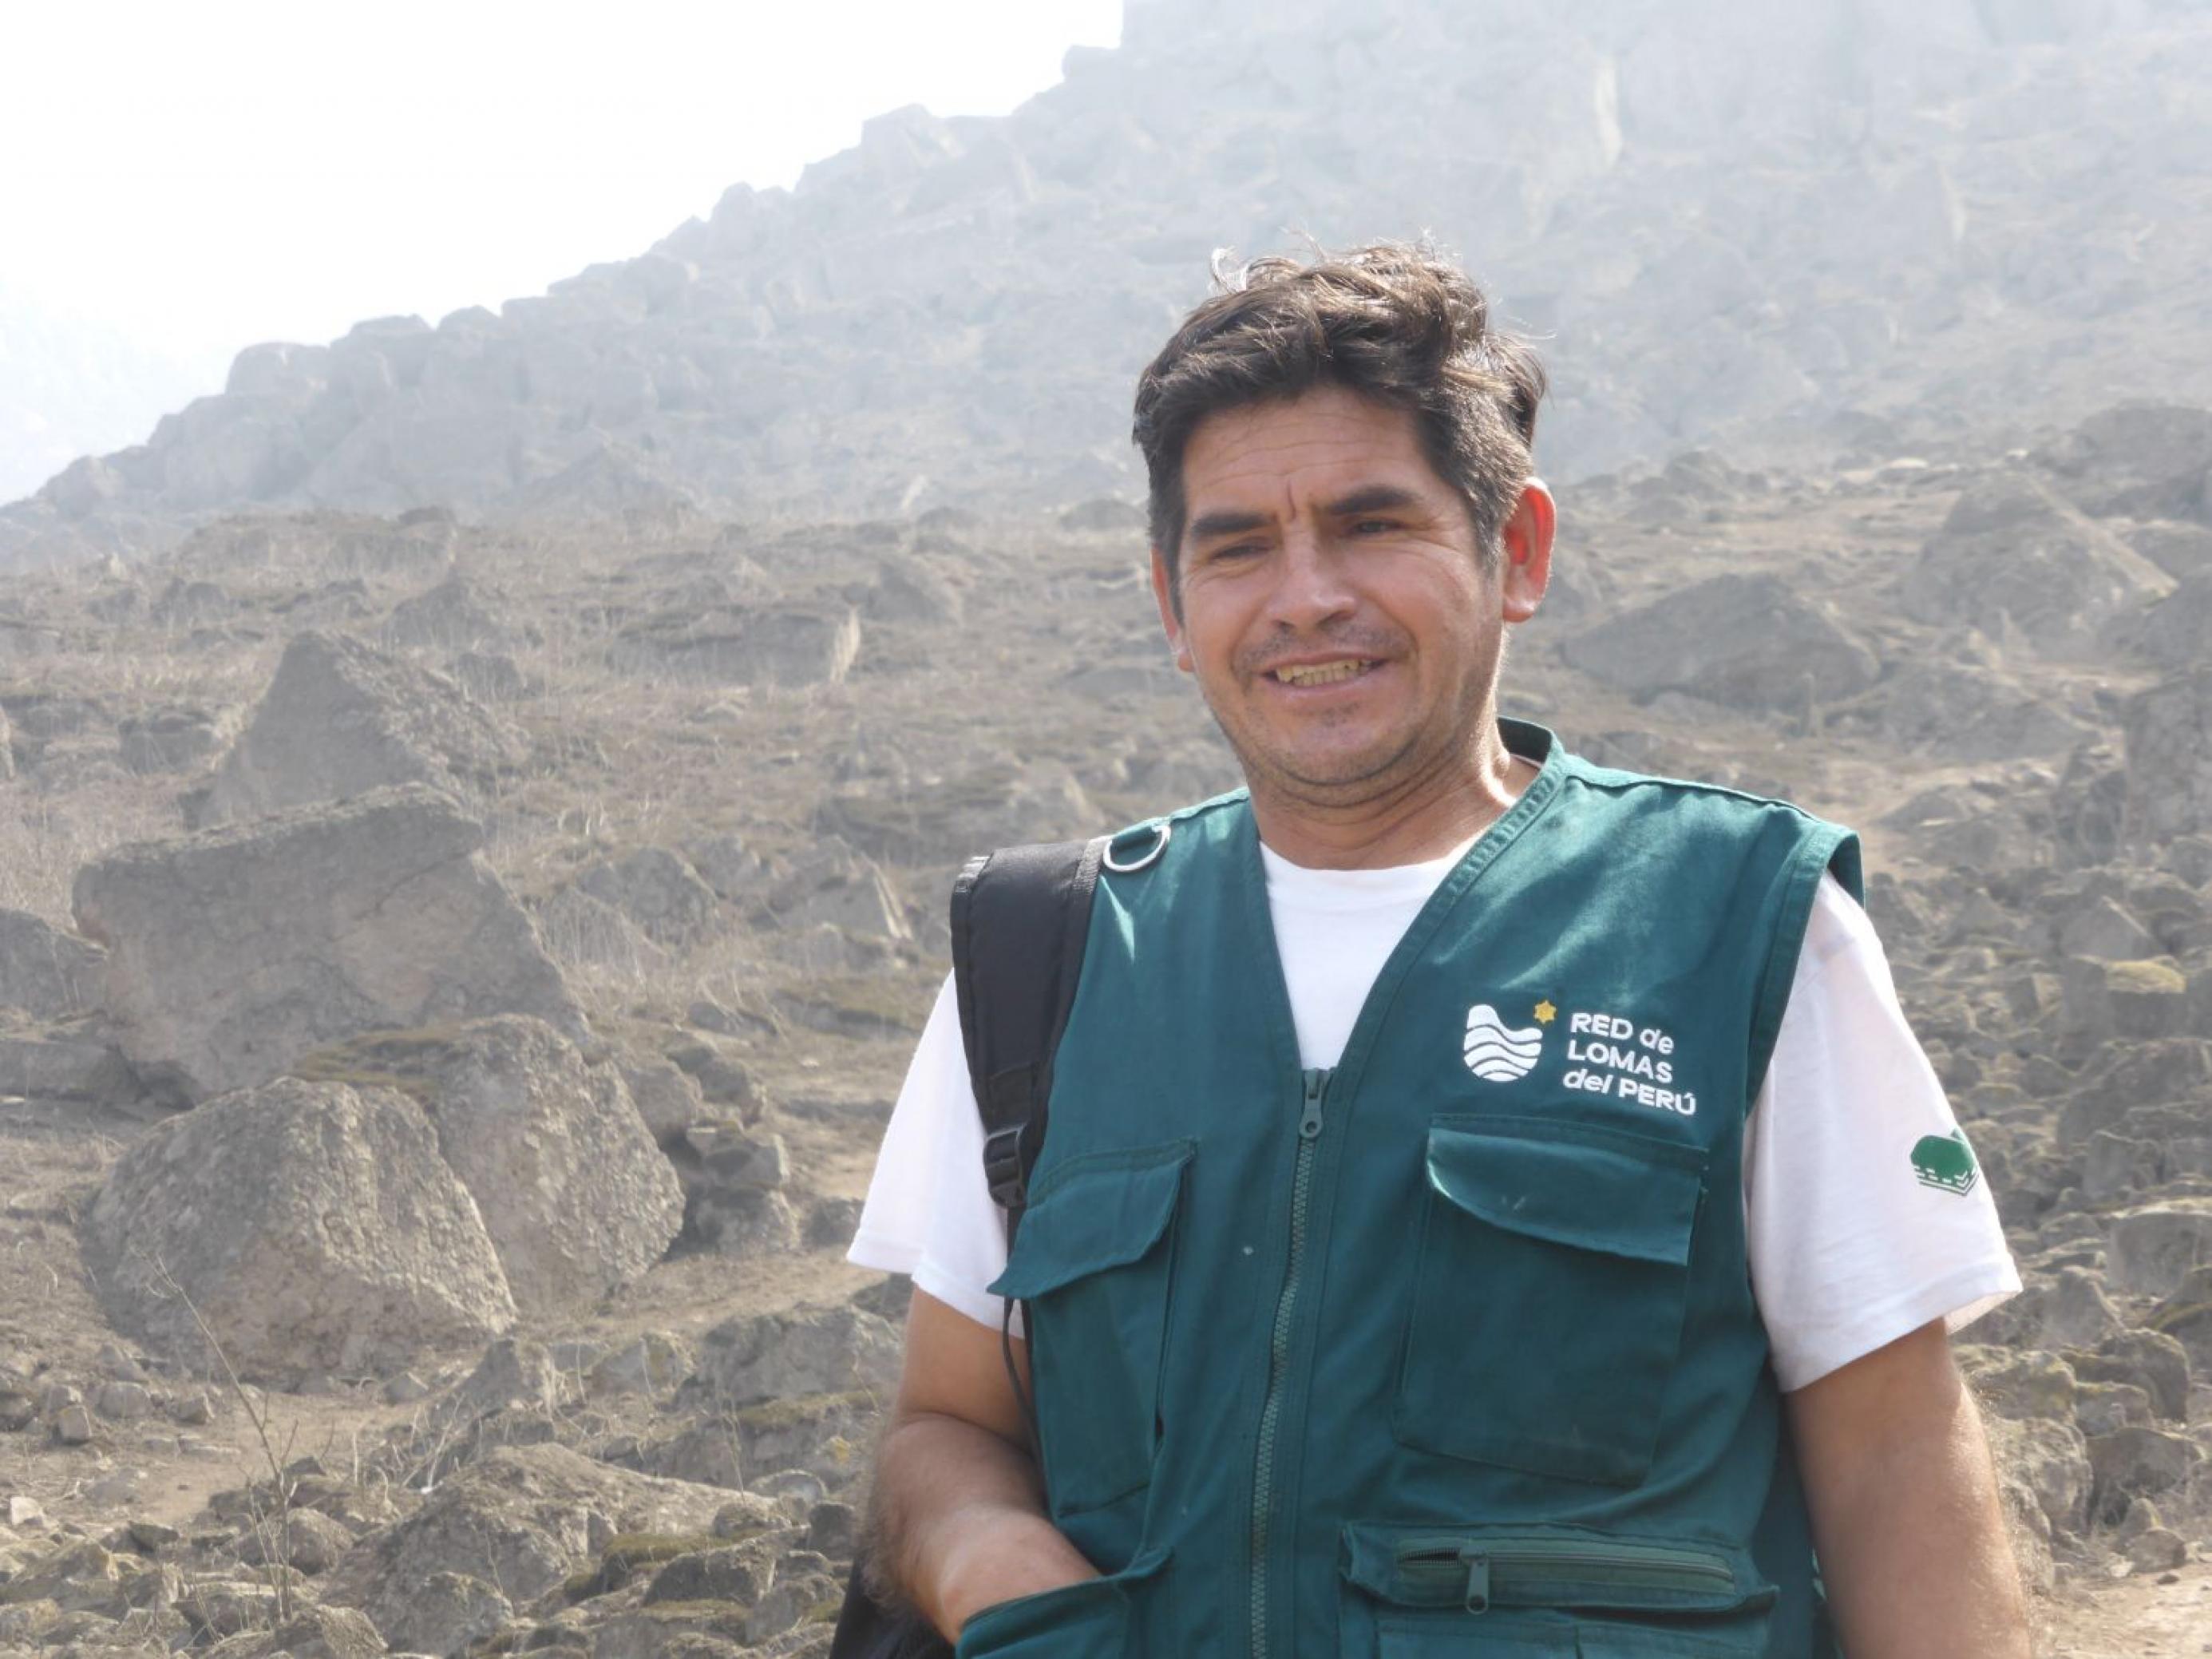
[1849,1250]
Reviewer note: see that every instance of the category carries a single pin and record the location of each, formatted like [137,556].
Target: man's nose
[1311,587]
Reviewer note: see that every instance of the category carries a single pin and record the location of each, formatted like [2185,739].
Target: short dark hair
[1394,321]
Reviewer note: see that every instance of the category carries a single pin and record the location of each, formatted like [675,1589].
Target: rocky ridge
[1880,221]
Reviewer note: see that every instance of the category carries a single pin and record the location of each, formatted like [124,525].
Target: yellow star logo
[1545,1013]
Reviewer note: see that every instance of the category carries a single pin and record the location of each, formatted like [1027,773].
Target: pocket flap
[1566,1568]
[1572,1183]
[1100,1210]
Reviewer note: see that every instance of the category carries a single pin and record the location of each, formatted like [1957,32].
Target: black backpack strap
[1021,917]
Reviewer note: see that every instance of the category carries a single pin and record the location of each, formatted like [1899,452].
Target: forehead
[1263,456]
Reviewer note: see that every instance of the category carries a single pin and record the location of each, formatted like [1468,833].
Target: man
[1491,1204]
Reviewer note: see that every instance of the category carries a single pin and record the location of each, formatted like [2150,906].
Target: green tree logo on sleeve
[1945,1162]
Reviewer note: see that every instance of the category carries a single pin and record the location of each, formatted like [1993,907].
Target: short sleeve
[929,1212]
[1866,1215]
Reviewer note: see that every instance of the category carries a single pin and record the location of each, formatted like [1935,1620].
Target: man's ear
[1164,595]
[1525,549]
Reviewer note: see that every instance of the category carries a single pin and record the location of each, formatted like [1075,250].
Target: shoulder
[1703,819]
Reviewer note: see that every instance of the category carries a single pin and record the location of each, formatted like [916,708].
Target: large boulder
[302,1227]
[234,951]
[575,1196]
[1750,642]
[2016,560]
[523,1518]
[2169,744]
[341,719]
[44,972]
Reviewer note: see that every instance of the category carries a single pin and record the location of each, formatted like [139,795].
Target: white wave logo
[1497,1053]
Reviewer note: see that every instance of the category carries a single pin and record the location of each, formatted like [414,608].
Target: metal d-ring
[1151,853]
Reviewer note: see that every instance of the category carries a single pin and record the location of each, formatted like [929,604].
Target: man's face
[1335,605]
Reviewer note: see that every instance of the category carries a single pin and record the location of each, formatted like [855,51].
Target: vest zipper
[1279,1354]
[1475,1572]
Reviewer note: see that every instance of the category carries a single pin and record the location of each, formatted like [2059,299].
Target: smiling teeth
[1322,673]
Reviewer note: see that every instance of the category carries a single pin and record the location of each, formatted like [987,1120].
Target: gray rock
[233,952]
[341,719]
[317,1632]
[2187,1317]
[667,1098]
[1749,641]
[2156,1549]
[658,891]
[809,1350]
[2098,926]
[2169,759]
[44,972]
[2136,1461]
[2034,1384]
[908,590]
[123,1402]
[444,1615]
[576,1197]
[512,1373]
[168,740]
[305,1539]
[651,1366]
[66,1067]
[2047,1463]
[311,1227]
[834,886]
[2151,1360]
[2151,1250]
[2107,1407]
[833,1530]
[791,1600]
[740,1573]
[451,617]
[723,1079]
[581,931]
[784,646]
[524,1518]
[2016,560]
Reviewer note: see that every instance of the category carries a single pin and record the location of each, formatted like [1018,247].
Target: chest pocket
[1549,1295]
[1094,1262]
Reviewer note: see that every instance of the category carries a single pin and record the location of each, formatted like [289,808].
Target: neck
[1412,820]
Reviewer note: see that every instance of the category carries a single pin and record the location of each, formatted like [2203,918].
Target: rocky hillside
[1778,228]
[455,978]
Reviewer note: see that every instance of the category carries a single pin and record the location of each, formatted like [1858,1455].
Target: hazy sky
[194,178]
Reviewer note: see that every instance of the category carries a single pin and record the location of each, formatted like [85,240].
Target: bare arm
[1904,1508]
[959,1515]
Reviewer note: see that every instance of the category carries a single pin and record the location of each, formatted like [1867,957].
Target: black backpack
[1020,919]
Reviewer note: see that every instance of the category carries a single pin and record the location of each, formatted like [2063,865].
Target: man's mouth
[1323,674]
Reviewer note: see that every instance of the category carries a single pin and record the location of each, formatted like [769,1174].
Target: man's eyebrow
[1374,498]
[1207,526]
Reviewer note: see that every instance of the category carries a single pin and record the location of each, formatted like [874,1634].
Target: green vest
[1450,1350]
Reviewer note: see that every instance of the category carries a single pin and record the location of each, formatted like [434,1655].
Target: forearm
[1912,1536]
[960,1522]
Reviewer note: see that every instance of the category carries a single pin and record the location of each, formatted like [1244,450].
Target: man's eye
[1234,550]
[1373,527]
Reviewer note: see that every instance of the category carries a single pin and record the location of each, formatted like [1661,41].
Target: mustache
[1367,642]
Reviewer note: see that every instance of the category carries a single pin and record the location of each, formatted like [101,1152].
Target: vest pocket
[1093,1260]
[1548,1296]
[1526,1590]
[1086,1620]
